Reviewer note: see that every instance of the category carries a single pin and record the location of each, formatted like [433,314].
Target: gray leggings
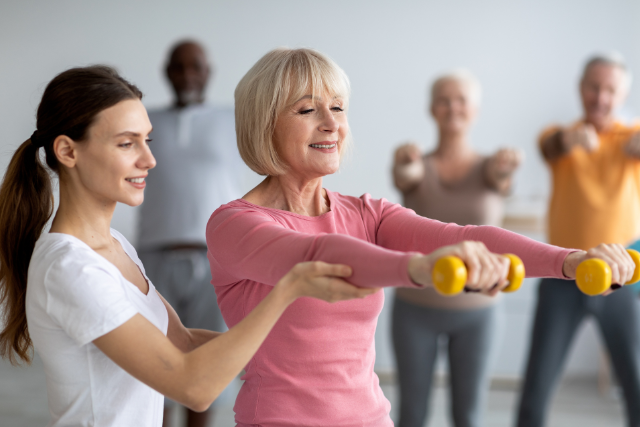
[471,336]
[561,309]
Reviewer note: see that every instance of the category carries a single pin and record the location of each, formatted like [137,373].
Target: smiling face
[602,90]
[452,106]
[309,135]
[114,160]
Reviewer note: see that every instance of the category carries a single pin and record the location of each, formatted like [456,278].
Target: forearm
[403,230]
[208,370]
[264,252]
[498,182]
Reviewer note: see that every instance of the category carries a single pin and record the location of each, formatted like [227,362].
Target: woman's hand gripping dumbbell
[602,269]
[467,266]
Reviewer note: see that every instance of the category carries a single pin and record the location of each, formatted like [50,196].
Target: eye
[306,111]
[125,144]
[338,109]
[148,140]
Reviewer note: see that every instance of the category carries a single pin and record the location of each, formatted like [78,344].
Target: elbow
[198,400]
[198,406]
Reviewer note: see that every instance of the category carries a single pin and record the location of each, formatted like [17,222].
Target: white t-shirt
[198,169]
[73,297]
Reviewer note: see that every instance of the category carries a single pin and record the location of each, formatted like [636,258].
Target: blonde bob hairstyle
[277,80]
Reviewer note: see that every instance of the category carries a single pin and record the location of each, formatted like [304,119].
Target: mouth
[135,180]
[323,146]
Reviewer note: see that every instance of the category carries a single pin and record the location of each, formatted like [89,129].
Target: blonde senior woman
[451,184]
[316,366]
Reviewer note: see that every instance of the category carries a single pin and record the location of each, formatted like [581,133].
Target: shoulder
[63,262]
[364,203]
[238,209]
[620,127]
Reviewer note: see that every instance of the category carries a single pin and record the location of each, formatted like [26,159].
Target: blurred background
[527,55]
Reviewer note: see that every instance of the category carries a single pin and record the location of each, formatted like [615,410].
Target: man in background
[198,169]
[595,167]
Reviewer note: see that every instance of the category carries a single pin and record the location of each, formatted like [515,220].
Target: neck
[84,216]
[289,193]
[453,145]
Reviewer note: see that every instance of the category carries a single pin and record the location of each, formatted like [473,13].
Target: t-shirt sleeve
[85,299]
[401,229]
[248,244]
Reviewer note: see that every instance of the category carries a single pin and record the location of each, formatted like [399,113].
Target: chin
[131,201]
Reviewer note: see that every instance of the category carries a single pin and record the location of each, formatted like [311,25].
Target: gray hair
[613,59]
[462,76]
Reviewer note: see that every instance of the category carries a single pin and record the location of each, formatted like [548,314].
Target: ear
[65,150]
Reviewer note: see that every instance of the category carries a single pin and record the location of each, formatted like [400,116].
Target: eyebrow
[318,97]
[133,134]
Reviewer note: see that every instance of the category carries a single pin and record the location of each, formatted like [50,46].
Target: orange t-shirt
[596,195]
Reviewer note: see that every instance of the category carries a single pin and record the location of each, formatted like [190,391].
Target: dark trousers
[561,308]
[471,335]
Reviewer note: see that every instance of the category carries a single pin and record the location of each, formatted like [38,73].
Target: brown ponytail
[69,106]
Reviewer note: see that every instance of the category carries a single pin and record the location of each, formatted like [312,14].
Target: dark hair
[69,106]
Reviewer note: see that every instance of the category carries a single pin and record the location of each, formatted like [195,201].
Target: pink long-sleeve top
[316,366]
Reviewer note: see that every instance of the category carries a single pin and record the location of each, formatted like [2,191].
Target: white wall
[527,55]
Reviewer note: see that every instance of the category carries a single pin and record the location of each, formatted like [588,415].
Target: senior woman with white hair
[451,184]
[316,366]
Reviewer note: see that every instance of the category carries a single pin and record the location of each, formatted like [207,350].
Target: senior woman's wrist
[419,269]
[571,262]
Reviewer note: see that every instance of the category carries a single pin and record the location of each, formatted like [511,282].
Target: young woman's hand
[486,271]
[622,266]
[323,281]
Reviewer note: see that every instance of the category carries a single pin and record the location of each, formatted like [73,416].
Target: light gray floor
[23,403]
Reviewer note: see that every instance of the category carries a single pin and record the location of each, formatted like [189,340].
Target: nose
[146,160]
[329,123]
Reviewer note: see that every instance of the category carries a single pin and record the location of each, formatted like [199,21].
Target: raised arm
[408,169]
[196,378]
[557,142]
[248,244]
[402,230]
[500,167]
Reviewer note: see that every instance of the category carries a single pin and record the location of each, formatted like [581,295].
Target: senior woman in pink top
[316,366]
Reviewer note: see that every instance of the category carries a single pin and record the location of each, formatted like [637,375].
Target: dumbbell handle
[449,275]
[593,276]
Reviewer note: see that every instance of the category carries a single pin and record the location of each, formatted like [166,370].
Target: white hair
[613,59]
[462,76]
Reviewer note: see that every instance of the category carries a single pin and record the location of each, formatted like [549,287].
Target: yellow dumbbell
[449,275]
[593,276]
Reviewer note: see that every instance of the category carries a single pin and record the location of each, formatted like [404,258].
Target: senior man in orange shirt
[595,164]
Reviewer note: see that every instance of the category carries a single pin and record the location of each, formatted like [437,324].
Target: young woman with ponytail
[110,344]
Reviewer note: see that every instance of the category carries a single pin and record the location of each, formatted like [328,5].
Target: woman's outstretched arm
[196,379]
[401,229]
